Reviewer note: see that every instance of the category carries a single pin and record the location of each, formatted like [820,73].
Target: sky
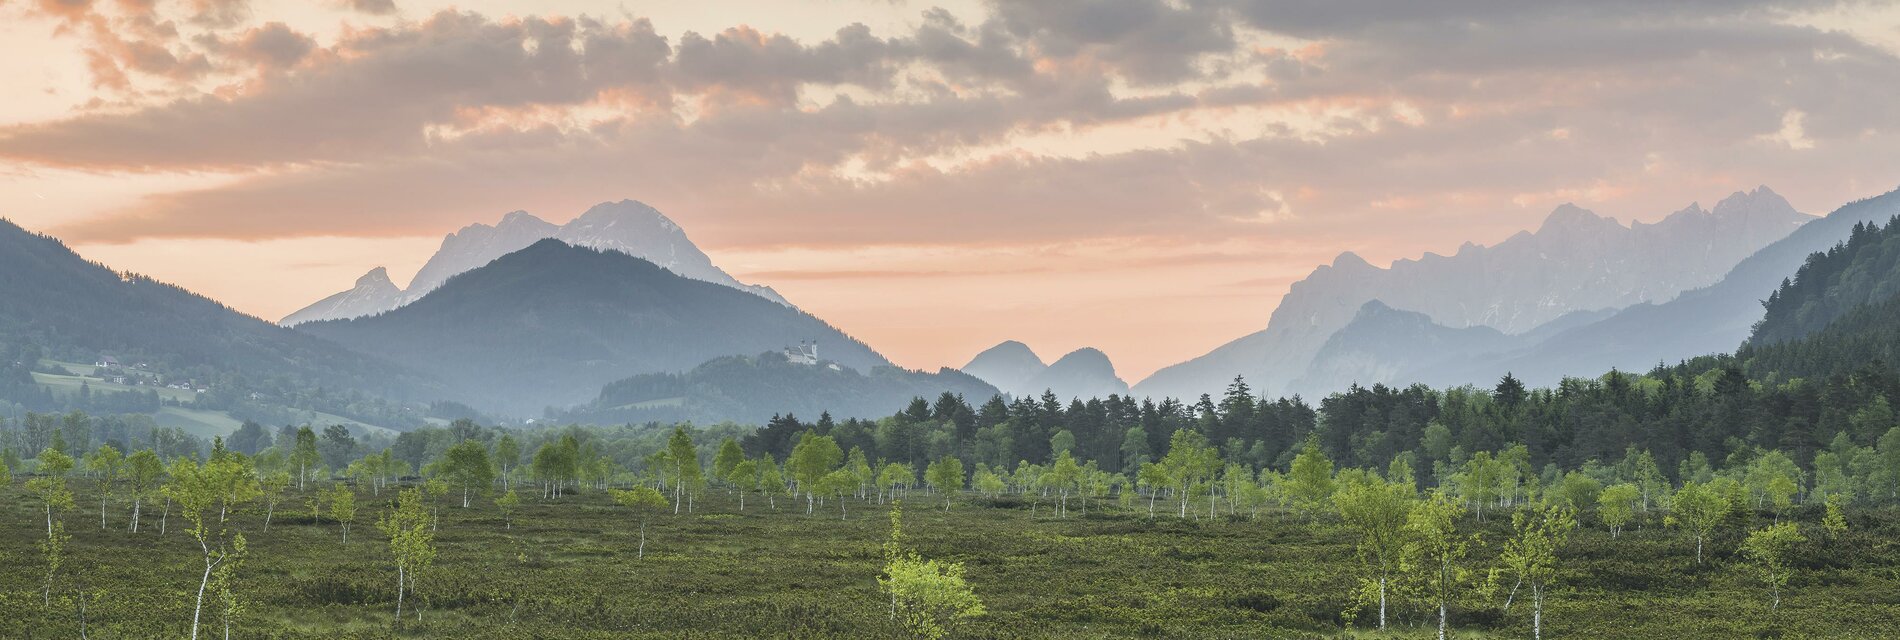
[1142,176]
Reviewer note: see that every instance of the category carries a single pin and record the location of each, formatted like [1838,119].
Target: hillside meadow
[567,568]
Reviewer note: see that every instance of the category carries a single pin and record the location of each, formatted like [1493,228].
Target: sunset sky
[1141,176]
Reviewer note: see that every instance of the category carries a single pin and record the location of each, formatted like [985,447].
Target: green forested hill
[1833,284]
[55,304]
[753,389]
[1838,315]
[548,325]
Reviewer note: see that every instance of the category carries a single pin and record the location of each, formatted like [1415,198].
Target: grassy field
[65,385]
[567,569]
[198,422]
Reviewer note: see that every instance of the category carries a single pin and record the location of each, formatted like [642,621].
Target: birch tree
[343,508]
[644,501]
[271,488]
[304,454]
[928,597]
[1617,505]
[743,476]
[411,541]
[105,463]
[1377,512]
[507,503]
[1768,549]
[1436,553]
[50,484]
[143,471]
[197,489]
[1531,554]
[771,481]
[945,477]
[1699,509]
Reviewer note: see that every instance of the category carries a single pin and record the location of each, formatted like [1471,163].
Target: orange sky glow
[1145,177]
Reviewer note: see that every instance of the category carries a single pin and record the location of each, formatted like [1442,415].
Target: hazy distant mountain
[1382,344]
[626,226]
[1015,369]
[1714,319]
[372,294]
[753,389]
[1576,261]
[552,323]
[1083,373]
[56,304]
[1388,346]
[1009,366]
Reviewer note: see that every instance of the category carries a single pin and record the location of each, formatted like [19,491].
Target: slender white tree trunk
[642,555]
[204,581]
[1537,612]
[1441,621]
[135,514]
[399,587]
[1381,602]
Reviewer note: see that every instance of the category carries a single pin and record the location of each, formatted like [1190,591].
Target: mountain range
[1016,369]
[548,325]
[626,226]
[1575,262]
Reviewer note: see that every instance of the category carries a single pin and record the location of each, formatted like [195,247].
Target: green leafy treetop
[196,489]
[1436,553]
[1698,508]
[1377,510]
[50,485]
[1768,549]
[411,534]
[1540,531]
[645,501]
[928,597]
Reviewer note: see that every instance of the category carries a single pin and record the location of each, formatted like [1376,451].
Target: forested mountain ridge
[60,306]
[1863,270]
[549,325]
[1839,314]
[1576,261]
[627,226]
[754,389]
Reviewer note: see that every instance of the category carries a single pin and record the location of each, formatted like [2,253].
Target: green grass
[198,422]
[67,385]
[568,570]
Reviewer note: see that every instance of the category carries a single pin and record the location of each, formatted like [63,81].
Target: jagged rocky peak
[1568,218]
[627,226]
[376,277]
[609,213]
[1350,260]
[1761,202]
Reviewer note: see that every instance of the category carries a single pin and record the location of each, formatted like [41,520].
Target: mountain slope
[552,323]
[626,226]
[61,306]
[753,389]
[1576,261]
